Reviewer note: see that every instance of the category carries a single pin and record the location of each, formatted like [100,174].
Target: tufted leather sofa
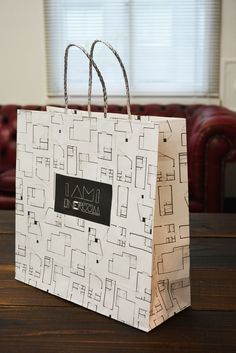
[211,144]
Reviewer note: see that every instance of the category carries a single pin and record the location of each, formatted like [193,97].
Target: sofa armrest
[211,144]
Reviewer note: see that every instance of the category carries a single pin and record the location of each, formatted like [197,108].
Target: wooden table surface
[34,321]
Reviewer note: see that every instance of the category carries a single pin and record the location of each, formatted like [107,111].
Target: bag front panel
[103,263]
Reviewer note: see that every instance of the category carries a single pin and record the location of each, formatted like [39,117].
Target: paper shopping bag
[102,212]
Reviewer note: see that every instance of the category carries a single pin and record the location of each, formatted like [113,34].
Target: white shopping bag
[102,212]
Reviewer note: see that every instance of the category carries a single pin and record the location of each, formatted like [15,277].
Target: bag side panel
[171,261]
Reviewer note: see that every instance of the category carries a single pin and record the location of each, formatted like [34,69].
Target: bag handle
[92,63]
[123,70]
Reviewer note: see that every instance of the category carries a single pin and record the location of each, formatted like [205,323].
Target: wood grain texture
[80,330]
[222,225]
[34,321]
[7,222]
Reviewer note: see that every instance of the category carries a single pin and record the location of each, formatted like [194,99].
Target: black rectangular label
[83,198]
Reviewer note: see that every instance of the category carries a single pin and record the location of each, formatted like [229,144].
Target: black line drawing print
[47,270]
[94,243]
[148,140]
[121,265]
[92,306]
[61,282]
[179,290]
[75,223]
[19,197]
[57,243]
[183,173]
[186,199]
[140,172]
[165,234]
[36,197]
[95,287]
[122,201]
[35,265]
[140,242]
[117,235]
[40,137]
[21,269]
[183,136]
[165,130]
[24,122]
[78,262]
[151,180]
[57,118]
[53,218]
[143,286]
[78,293]
[42,169]
[81,130]
[86,166]
[104,146]
[19,209]
[183,139]
[34,226]
[184,231]
[164,290]
[24,162]
[174,260]
[166,168]
[71,160]
[124,168]
[122,125]
[145,216]
[21,244]
[165,197]
[58,157]
[19,189]
[109,296]
[106,174]
[123,302]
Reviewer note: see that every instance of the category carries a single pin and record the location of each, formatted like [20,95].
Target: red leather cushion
[7,181]
[7,137]
[7,202]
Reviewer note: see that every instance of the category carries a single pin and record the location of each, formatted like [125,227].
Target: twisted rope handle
[91,63]
[123,70]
